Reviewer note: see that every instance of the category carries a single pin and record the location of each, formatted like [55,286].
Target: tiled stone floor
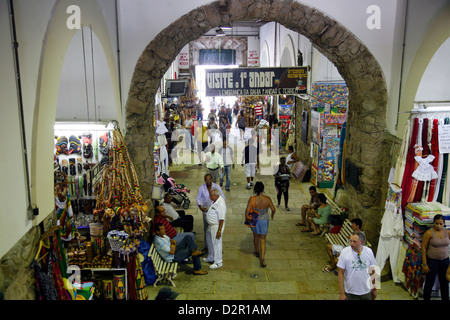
[294,259]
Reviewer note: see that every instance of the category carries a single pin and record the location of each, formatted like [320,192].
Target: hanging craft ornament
[161,127]
[103,144]
[75,144]
[86,140]
[62,145]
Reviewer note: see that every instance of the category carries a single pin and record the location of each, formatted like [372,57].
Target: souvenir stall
[332,94]
[286,105]
[326,129]
[421,177]
[96,244]
[189,102]
[247,103]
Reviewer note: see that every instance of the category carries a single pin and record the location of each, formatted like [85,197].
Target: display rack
[111,270]
[326,129]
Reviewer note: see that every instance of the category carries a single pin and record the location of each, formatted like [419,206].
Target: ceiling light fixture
[226,27]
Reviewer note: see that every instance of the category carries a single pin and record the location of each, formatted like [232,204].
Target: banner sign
[256,81]
[444,138]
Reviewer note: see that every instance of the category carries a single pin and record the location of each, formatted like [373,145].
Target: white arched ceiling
[265,56]
[54,49]
[325,70]
[434,85]
[288,53]
[86,91]
[438,33]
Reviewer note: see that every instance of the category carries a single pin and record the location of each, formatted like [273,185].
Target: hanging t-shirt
[258,110]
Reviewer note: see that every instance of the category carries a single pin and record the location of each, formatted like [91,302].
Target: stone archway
[364,77]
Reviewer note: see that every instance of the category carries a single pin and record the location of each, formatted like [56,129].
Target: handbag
[252,216]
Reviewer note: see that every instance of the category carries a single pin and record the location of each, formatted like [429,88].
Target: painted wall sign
[256,81]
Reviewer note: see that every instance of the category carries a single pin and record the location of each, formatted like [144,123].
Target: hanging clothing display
[417,153]
[435,153]
[425,152]
[409,166]
[401,159]
[392,230]
[444,171]
[425,170]
[161,131]
[412,268]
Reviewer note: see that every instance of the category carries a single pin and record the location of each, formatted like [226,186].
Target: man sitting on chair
[334,250]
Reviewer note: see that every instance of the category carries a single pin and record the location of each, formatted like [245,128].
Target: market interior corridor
[294,259]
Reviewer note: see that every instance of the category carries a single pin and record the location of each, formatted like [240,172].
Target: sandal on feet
[300,224]
[326,269]
[256,254]
[263,263]
[307,230]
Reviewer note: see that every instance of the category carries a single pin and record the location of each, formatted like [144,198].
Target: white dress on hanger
[392,231]
[425,171]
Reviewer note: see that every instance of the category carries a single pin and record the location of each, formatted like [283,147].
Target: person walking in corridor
[260,203]
[356,270]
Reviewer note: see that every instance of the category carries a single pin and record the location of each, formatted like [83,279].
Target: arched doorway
[362,73]
[56,44]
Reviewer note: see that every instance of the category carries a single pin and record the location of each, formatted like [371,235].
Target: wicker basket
[96,229]
[117,239]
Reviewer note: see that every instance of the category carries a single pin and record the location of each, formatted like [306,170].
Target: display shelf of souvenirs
[189,102]
[117,219]
[326,128]
[247,103]
[418,218]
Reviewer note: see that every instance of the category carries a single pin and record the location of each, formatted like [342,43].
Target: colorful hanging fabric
[45,288]
[65,218]
[435,153]
[402,155]
[412,268]
[417,153]
[409,166]
[444,171]
[425,153]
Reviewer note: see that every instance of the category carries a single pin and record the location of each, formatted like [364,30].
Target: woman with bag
[260,203]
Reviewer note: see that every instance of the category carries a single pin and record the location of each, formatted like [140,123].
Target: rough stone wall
[362,73]
[16,278]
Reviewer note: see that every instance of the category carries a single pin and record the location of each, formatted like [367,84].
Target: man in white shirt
[356,275]
[204,201]
[215,218]
[177,218]
[251,159]
[214,163]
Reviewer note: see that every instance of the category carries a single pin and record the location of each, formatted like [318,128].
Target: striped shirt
[170,231]
[162,245]
[258,110]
